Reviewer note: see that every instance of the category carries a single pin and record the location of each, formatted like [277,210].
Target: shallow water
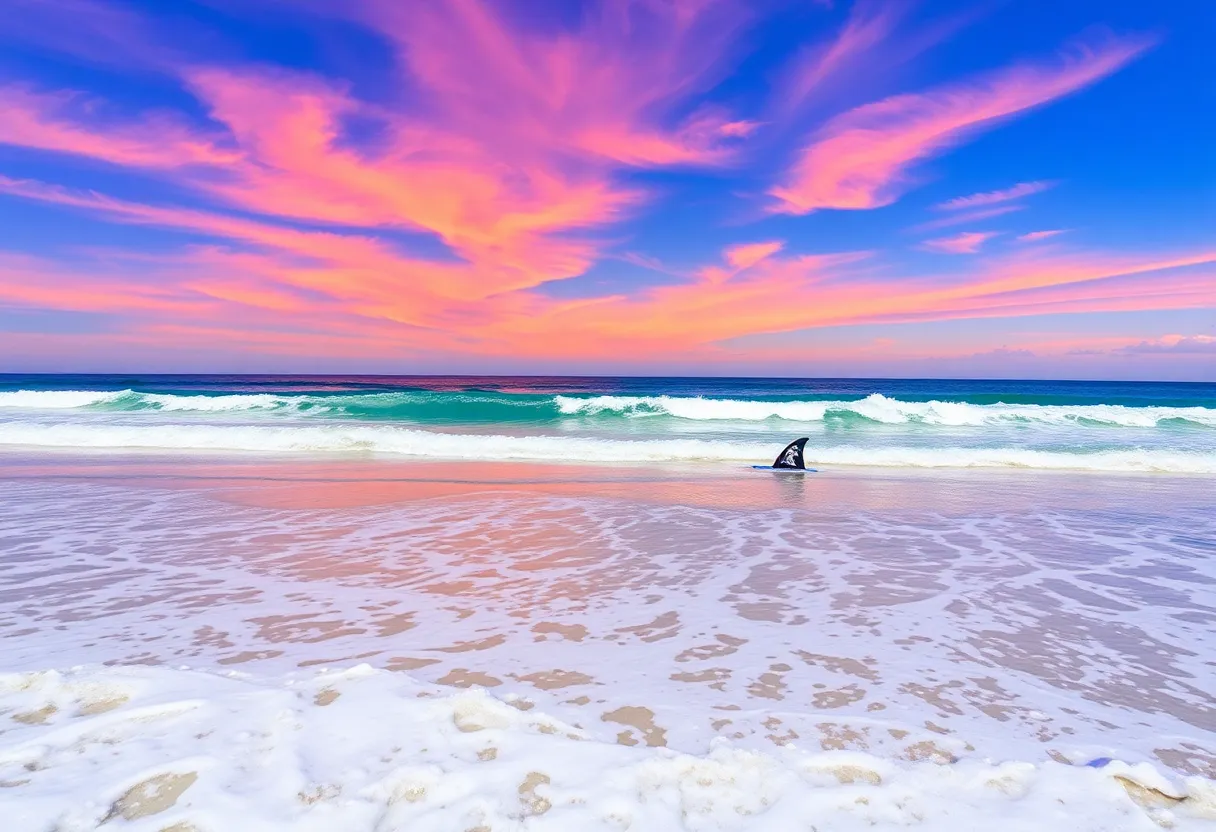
[680,646]
[1008,616]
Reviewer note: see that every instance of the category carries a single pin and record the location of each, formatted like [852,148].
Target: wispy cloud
[77,124]
[993,197]
[99,32]
[969,242]
[1035,236]
[749,254]
[861,159]
[868,27]
[967,217]
[1174,344]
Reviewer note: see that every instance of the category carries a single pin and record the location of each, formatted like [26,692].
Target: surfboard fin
[791,457]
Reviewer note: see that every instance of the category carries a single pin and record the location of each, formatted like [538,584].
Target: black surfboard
[789,459]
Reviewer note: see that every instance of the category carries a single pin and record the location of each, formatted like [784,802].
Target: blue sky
[630,186]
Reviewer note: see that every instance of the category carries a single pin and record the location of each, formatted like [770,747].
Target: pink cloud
[869,25]
[1035,236]
[968,217]
[739,129]
[993,197]
[500,216]
[861,158]
[514,152]
[609,89]
[34,282]
[739,258]
[969,242]
[513,155]
[68,122]
[1174,344]
[749,254]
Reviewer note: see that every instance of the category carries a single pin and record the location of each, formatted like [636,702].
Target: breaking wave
[879,408]
[424,406]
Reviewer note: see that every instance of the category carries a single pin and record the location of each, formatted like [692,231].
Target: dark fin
[791,457]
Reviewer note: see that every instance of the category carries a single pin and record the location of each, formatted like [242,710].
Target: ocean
[391,603]
[1107,426]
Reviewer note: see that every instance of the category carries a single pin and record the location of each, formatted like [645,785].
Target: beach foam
[159,748]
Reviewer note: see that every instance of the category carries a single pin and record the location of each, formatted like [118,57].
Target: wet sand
[923,613]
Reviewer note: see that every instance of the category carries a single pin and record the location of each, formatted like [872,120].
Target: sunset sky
[729,187]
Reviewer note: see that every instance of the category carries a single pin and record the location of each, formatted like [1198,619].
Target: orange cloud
[969,242]
[861,158]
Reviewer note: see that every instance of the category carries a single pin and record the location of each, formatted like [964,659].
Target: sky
[1015,188]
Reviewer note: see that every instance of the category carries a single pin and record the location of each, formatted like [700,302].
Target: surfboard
[786,470]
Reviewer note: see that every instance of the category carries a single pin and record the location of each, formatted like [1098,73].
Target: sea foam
[160,748]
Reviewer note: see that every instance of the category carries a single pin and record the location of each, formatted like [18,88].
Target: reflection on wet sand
[915,614]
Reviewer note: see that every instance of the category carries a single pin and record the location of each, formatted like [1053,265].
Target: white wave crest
[232,401]
[879,408]
[389,439]
[132,400]
[57,399]
[875,408]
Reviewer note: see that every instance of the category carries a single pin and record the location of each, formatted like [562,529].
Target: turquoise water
[1167,427]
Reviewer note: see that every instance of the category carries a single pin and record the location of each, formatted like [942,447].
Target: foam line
[346,437]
